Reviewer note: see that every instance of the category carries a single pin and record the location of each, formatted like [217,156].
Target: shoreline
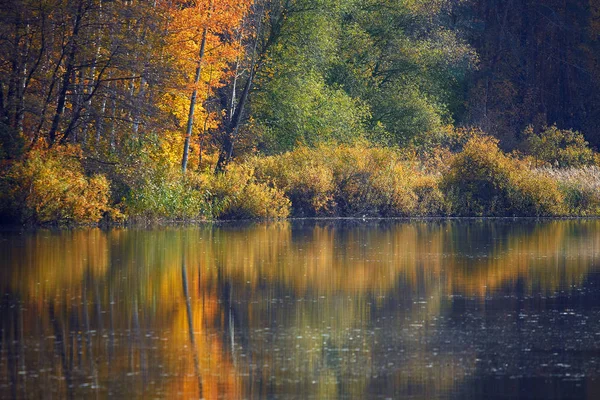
[139,224]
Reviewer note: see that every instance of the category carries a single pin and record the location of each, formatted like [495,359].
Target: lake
[304,310]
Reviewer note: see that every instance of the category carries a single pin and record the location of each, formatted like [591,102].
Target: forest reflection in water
[442,309]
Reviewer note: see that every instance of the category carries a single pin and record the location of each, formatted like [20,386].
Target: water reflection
[304,310]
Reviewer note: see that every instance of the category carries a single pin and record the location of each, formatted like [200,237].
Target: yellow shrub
[50,186]
[581,201]
[580,187]
[237,195]
[482,180]
[559,147]
[306,181]
[478,178]
[346,180]
[392,190]
[446,139]
[430,199]
[161,192]
[536,196]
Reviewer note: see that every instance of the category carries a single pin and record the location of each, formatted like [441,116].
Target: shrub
[236,195]
[478,178]
[430,199]
[536,196]
[482,180]
[50,186]
[162,192]
[363,179]
[389,189]
[581,201]
[447,137]
[350,180]
[306,181]
[558,147]
[434,150]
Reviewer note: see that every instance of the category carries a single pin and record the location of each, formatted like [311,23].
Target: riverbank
[357,181]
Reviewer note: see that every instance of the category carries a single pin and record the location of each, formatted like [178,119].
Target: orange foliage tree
[204,39]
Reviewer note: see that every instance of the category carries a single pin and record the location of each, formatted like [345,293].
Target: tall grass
[581,188]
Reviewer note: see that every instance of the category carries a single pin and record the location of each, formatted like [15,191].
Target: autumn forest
[171,110]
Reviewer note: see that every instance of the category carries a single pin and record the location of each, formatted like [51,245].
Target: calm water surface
[304,310]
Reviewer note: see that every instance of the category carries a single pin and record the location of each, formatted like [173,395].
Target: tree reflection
[226,312]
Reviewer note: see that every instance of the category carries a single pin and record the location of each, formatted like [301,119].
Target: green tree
[559,147]
[407,61]
[340,70]
[294,101]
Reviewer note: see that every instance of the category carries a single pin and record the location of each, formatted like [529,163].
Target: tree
[539,64]
[338,71]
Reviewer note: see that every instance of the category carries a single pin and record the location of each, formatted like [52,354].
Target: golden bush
[161,192]
[347,180]
[50,186]
[430,199]
[236,195]
[482,180]
[559,147]
[306,181]
[580,187]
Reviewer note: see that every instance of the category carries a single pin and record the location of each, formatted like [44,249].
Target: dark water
[310,310]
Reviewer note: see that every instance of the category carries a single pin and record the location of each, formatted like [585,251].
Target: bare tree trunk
[13,97]
[234,122]
[190,121]
[232,128]
[236,75]
[237,111]
[99,119]
[113,113]
[70,66]
[78,88]
[202,134]
[91,77]
[48,99]
[20,109]
[138,104]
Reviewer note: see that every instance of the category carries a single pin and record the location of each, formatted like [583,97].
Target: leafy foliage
[559,147]
[404,62]
[51,187]
[378,69]
[482,180]
[351,180]
[239,196]
[309,107]
[163,193]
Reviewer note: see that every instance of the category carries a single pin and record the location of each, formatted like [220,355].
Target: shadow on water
[309,309]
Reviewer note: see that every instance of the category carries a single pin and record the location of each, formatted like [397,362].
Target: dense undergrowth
[466,174]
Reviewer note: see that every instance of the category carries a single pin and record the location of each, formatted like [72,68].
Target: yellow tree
[203,39]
